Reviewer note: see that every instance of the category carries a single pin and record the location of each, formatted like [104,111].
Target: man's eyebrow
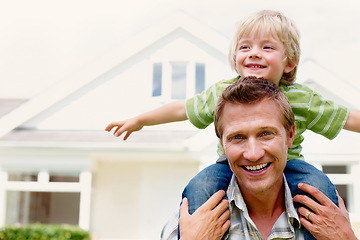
[268,127]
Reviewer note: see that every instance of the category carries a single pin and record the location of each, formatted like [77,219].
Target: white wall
[133,200]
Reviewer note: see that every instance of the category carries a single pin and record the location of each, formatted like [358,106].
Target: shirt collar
[234,195]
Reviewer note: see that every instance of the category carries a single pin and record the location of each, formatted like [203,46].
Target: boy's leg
[207,182]
[298,171]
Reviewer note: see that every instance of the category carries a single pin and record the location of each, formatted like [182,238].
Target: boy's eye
[268,47]
[243,47]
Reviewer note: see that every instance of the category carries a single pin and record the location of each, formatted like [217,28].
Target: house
[58,165]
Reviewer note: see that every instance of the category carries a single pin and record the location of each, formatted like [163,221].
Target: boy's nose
[254,53]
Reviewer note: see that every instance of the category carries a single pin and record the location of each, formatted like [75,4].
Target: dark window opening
[199,77]
[157,79]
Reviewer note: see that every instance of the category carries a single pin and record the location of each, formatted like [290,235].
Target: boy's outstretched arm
[171,112]
[353,121]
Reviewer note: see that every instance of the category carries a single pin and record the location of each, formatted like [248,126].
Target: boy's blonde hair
[275,24]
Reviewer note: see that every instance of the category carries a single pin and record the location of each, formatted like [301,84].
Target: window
[42,207]
[199,77]
[44,198]
[177,79]
[343,189]
[157,79]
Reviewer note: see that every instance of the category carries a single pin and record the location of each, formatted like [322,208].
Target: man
[255,125]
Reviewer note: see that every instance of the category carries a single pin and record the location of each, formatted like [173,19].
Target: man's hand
[326,221]
[210,221]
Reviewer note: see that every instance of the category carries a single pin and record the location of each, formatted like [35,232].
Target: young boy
[266,44]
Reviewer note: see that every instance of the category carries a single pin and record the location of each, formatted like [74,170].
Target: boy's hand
[209,222]
[128,126]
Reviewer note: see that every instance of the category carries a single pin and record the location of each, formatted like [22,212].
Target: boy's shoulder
[297,93]
[227,81]
[295,87]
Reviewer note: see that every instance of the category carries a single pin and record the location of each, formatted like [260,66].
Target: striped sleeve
[200,108]
[320,115]
[326,117]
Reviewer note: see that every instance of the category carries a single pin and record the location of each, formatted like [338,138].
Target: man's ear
[291,136]
[222,146]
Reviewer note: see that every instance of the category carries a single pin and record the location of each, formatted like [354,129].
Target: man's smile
[256,168]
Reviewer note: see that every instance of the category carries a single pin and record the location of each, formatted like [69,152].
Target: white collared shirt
[242,227]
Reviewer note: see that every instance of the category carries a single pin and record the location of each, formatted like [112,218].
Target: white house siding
[134,199]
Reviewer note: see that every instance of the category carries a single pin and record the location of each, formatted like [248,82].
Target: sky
[44,41]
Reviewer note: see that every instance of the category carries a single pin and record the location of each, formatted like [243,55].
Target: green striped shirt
[311,111]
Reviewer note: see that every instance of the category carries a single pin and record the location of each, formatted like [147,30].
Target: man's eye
[238,137]
[265,134]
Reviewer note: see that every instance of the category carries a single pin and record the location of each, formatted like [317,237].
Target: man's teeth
[256,168]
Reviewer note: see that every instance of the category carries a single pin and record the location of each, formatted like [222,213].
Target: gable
[120,64]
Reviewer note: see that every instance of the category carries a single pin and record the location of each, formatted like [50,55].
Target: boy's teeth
[256,167]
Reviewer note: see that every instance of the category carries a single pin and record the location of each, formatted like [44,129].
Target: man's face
[255,143]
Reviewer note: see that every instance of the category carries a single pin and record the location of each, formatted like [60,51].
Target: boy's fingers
[109,127]
[127,135]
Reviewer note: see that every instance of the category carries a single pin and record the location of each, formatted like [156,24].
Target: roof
[8,105]
[97,73]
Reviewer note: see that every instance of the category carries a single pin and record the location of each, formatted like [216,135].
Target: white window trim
[167,79]
[352,178]
[44,185]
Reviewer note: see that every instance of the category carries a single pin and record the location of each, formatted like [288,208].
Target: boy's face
[262,55]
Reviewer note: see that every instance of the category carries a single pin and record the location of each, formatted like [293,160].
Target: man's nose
[253,151]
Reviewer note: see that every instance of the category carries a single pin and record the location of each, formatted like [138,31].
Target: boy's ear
[289,66]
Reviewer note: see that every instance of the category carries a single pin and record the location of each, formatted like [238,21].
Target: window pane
[199,77]
[343,191]
[341,169]
[30,177]
[157,79]
[42,207]
[178,83]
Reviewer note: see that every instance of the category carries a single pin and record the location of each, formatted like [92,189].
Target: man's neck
[265,208]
